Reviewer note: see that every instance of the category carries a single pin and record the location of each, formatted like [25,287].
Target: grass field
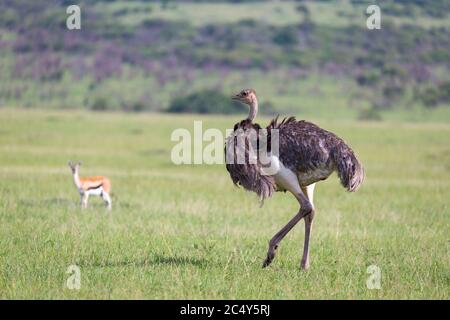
[186,232]
[340,13]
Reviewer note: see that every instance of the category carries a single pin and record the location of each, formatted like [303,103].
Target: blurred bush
[207,101]
[210,101]
[434,95]
[370,114]
[99,104]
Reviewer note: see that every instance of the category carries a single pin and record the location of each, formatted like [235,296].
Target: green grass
[339,13]
[186,232]
[205,13]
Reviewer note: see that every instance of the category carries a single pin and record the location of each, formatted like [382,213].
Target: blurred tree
[207,101]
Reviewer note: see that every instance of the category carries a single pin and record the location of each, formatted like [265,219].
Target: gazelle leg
[290,182]
[309,191]
[84,200]
[107,200]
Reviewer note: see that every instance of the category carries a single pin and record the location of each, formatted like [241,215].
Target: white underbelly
[286,179]
[93,192]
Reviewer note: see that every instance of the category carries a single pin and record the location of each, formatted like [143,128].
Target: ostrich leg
[305,209]
[309,191]
[273,243]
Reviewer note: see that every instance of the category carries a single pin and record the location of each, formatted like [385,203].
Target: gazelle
[87,186]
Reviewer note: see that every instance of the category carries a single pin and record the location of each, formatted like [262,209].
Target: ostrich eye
[244,93]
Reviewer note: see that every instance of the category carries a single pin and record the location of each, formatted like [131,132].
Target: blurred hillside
[304,57]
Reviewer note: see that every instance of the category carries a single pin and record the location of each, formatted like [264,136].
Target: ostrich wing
[242,160]
[314,153]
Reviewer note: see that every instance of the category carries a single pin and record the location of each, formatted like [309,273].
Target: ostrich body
[306,154]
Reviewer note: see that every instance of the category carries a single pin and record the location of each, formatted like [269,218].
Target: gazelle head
[74,167]
[247,96]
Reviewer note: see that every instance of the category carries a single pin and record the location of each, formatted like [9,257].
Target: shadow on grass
[94,203]
[156,260]
[178,261]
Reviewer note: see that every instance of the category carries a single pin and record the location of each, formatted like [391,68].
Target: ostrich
[306,154]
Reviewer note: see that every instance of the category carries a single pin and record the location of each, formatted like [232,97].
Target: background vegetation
[301,56]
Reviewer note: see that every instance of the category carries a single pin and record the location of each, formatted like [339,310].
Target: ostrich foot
[270,256]
[304,265]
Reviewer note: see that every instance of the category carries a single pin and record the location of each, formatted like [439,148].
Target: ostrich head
[74,167]
[248,96]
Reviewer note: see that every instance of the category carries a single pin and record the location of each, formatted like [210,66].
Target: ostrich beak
[236,97]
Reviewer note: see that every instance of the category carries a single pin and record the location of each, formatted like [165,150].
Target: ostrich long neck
[253,111]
